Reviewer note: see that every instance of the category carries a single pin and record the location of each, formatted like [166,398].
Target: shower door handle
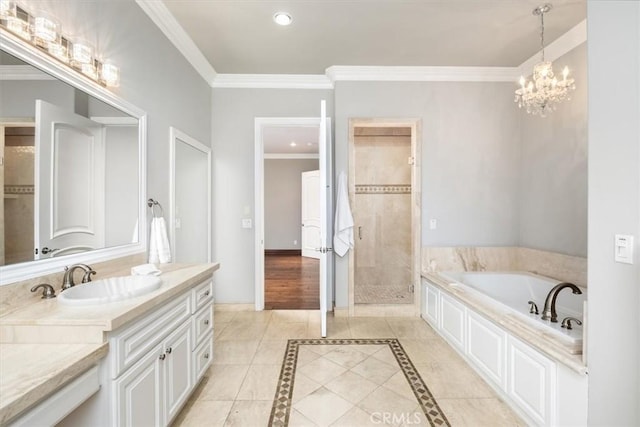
[360,232]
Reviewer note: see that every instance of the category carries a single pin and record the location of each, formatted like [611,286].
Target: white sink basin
[109,290]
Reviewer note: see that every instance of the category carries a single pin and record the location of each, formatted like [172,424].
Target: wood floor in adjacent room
[291,282]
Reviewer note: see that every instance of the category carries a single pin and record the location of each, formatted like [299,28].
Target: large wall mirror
[72,180]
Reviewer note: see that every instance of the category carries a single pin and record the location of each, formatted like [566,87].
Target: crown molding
[272,81]
[562,45]
[422,74]
[162,17]
[23,72]
[291,156]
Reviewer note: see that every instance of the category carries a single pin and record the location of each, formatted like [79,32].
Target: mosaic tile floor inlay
[373,365]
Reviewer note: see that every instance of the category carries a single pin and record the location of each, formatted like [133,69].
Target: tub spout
[549,312]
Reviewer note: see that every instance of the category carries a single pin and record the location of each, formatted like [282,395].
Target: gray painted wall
[470,153]
[614,207]
[282,201]
[233,142]
[18,97]
[553,169]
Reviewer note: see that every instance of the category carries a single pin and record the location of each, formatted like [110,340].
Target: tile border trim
[283,399]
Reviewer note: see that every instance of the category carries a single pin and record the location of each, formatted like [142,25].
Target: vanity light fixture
[43,31]
[544,91]
[282,18]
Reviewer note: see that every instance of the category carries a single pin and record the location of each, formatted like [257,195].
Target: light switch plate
[624,248]
[246,223]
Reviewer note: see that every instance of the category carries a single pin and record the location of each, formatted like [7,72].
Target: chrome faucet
[549,312]
[67,280]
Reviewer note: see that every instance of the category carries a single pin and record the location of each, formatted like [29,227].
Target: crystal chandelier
[542,94]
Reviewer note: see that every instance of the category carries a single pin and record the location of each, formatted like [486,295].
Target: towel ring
[152,204]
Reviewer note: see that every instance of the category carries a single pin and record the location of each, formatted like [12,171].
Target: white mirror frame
[31,55]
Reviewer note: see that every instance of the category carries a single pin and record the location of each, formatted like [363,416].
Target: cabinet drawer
[202,358]
[137,340]
[202,324]
[202,295]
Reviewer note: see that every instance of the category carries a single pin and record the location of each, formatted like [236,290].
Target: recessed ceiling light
[282,18]
[293,144]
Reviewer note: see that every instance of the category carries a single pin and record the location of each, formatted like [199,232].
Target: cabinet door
[486,347]
[139,393]
[431,295]
[177,368]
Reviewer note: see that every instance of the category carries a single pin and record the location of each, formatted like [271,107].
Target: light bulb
[81,53]
[110,74]
[282,18]
[522,81]
[565,73]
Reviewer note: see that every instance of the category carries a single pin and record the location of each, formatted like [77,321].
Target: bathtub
[509,292]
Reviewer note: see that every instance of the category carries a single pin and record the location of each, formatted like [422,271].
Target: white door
[326,217]
[310,237]
[69,192]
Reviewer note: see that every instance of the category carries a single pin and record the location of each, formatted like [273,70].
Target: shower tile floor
[379,294]
[239,387]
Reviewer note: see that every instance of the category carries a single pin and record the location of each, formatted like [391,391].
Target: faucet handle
[566,322]
[87,276]
[47,293]
[533,308]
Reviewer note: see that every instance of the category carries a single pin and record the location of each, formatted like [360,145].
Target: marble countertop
[45,345]
[546,344]
[30,372]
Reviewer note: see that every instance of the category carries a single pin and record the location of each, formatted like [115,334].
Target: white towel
[159,250]
[343,227]
[145,270]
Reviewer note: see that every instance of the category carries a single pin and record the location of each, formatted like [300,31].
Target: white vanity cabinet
[154,363]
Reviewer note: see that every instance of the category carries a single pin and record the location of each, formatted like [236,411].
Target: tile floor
[334,385]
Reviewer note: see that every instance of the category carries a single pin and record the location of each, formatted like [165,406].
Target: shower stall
[382,174]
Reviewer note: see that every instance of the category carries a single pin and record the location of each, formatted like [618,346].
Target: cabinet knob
[162,356]
[206,322]
[169,350]
[206,355]
[206,294]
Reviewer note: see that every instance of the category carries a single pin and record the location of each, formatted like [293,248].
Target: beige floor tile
[321,349]
[253,316]
[306,355]
[249,413]
[346,355]
[479,413]
[356,417]
[385,355]
[390,406]
[210,413]
[293,316]
[371,348]
[303,386]
[224,382]
[322,370]
[234,352]
[270,352]
[367,327]
[399,384]
[243,331]
[427,351]
[323,407]
[453,380]
[259,383]
[285,330]
[411,328]
[351,387]
[296,419]
[338,328]
[218,328]
[375,370]
[223,316]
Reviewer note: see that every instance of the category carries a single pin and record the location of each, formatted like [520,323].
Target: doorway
[384,176]
[285,146]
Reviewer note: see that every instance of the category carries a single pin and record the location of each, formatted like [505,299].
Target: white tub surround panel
[537,375]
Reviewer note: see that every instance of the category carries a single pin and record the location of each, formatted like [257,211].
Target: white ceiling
[239,36]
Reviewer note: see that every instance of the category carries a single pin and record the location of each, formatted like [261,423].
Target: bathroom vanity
[133,362]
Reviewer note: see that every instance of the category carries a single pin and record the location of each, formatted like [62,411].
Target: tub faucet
[549,312]
[67,280]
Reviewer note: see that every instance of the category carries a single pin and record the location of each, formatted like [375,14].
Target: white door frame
[176,135]
[260,124]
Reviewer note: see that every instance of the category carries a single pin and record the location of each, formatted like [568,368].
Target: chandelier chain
[542,33]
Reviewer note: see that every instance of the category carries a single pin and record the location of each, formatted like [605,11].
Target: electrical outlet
[433,224]
[295,243]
